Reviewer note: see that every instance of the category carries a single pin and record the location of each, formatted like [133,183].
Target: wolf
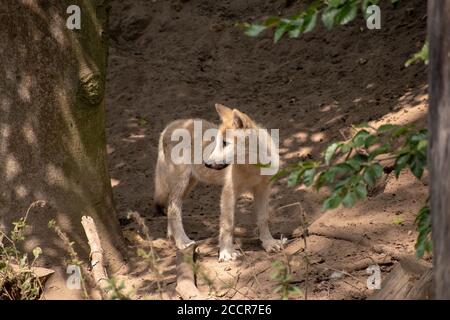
[174,180]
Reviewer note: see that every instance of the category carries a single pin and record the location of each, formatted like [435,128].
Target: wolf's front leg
[174,220]
[262,196]
[227,207]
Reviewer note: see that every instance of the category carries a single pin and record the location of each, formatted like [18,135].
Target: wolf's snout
[216,166]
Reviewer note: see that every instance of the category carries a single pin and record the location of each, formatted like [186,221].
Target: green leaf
[294,33]
[361,191]
[355,163]
[378,170]
[400,163]
[349,199]
[372,173]
[254,30]
[328,17]
[331,202]
[310,21]
[308,164]
[330,152]
[422,55]
[386,127]
[423,144]
[400,131]
[308,176]
[360,138]
[369,178]
[280,31]
[370,140]
[322,179]
[294,177]
[417,165]
[342,168]
[347,13]
[423,223]
[419,136]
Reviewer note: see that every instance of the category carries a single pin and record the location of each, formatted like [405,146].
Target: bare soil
[176,59]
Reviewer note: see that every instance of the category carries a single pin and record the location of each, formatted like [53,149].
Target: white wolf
[174,180]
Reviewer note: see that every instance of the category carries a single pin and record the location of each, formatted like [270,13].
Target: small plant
[152,261]
[422,55]
[73,255]
[116,290]
[151,257]
[283,277]
[17,278]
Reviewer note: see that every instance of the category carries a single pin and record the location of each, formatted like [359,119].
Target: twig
[305,234]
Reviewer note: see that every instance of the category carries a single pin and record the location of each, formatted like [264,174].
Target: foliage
[17,278]
[283,277]
[330,12]
[423,223]
[152,260]
[116,290]
[73,255]
[348,169]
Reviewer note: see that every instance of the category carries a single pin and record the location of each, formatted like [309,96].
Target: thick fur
[173,182]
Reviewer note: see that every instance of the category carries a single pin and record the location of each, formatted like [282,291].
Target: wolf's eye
[225,143]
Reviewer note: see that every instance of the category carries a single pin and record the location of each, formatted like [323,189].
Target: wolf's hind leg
[262,195]
[174,209]
[191,185]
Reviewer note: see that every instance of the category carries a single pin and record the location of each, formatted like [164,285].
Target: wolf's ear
[240,120]
[223,111]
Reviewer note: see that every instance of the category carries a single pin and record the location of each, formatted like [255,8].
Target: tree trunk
[52,124]
[439,146]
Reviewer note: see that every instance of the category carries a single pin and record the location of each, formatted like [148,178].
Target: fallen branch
[186,278]
[333,233]
[411,279]
[98,267]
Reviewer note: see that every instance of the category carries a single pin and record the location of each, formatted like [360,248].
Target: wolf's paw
[273,245]
[184,243]
[228,254]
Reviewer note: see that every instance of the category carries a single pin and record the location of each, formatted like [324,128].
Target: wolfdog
[175,179]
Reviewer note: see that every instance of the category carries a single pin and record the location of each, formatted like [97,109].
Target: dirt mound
[175,59]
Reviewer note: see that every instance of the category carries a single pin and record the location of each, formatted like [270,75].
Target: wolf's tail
[161,187]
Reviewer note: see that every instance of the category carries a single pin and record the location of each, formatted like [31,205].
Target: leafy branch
[348,169]
[331,12]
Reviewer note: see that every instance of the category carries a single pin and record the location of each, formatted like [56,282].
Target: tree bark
[439,143]
[52,124]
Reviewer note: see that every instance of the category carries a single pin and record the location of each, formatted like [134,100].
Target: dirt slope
[175,59]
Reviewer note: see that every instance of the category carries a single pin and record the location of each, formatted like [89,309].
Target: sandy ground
[175,59]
